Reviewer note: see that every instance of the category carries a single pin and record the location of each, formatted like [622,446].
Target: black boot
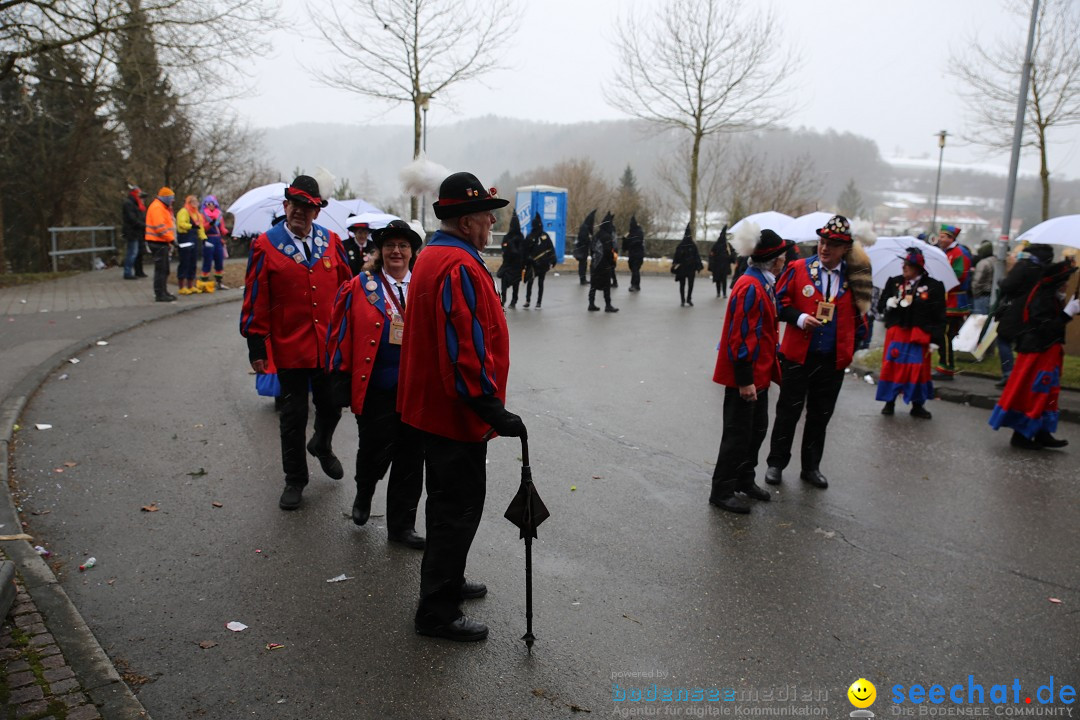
[889,408]
[723,496]
[361,507]
[1019,441]
[593,307]
[1049,441]
[610,308]
[919,411]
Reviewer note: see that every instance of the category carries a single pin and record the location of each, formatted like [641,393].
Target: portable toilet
[550,202]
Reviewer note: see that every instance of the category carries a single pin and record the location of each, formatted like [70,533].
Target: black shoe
[755,491]
[594,308]
[690,302]
[611,308]
[941,377]
[512,305]
[1019,441]
[731,503]
[408,538]
[473,590]
[130,277]
[165,298]
[889,408]
[329,462]
[1049,441]
[361,508]
[774,475]
[682,303]
[461,630]
[815,478]
[918,411]
[537,306]
[526,304]
[1000,384]
[291,497]
[141,275]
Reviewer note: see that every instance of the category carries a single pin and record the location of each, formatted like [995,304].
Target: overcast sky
[873,67]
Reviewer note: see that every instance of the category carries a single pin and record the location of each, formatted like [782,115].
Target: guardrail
[94,250]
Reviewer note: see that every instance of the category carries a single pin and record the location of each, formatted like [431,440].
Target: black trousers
[385,443]
[635,276]
[506,285]
[686,288]
[721,284]
[293,419]
[953,323]
[539,277]
[607,297]
[815,384]
[456,486]
[160,251]
[745,426]
[583,270]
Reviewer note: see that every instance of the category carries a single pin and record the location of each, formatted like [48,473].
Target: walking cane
[527,511]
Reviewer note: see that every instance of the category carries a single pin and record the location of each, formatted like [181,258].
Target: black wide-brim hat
[463,194]
[395,229]
[770,246]
[838,228]
[305,190]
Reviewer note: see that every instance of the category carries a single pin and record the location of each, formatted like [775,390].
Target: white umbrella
[768,220]
[1064,230]
[335,216]
[887,260]
[804,228]
[254,210]
[374,220]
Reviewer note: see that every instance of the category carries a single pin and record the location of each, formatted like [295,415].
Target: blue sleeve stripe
[245,324]
[336,364]
[744,328]
[469,292]
[452,346]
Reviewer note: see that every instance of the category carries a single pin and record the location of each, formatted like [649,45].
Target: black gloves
[491,410]
[256,348]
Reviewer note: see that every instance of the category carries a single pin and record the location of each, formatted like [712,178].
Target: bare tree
[586,189]
[409,51]
[674,168]
[757,184]
[701,67]
[235,29]
[990,75]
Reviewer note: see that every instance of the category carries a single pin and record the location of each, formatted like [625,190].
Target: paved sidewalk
[51,666]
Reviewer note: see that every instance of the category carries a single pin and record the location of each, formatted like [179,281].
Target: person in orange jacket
[160,234]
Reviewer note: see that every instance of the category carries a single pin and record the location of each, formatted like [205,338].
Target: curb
[91,664]
[955,395]
[7,587]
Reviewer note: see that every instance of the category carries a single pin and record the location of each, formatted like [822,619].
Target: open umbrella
[887,260]
[527,511]
[255,210]
[804,228]
[1063,230]
[768,220]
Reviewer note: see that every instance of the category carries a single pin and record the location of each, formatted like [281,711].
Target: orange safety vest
[160,226]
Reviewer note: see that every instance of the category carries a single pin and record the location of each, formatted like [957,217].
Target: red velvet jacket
[747,351]
[456,342]
[797,292]
[356,331]
[288,299]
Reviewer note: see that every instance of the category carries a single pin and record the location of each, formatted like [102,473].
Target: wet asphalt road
[932,556]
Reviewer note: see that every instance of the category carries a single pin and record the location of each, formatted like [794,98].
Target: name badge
[825,311]
[397,330]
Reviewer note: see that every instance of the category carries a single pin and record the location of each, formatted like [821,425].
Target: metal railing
[94,250]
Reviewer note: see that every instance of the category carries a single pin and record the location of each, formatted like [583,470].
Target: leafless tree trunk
[409,51]
[989,74]
[701,67]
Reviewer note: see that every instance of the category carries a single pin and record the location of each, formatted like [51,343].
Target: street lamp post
[937,186]
[423,145]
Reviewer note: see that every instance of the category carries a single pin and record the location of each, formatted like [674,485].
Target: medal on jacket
[826,308]
[397,322]
[326,263]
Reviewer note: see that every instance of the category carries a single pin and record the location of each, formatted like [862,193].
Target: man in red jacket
[294,272]
[819,342]
[454,361]
[746,364]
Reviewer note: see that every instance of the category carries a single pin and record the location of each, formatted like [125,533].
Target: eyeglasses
[397,246]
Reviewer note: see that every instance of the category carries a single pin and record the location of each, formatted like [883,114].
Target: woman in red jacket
[364,343]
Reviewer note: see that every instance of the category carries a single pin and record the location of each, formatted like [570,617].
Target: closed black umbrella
[527,511]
